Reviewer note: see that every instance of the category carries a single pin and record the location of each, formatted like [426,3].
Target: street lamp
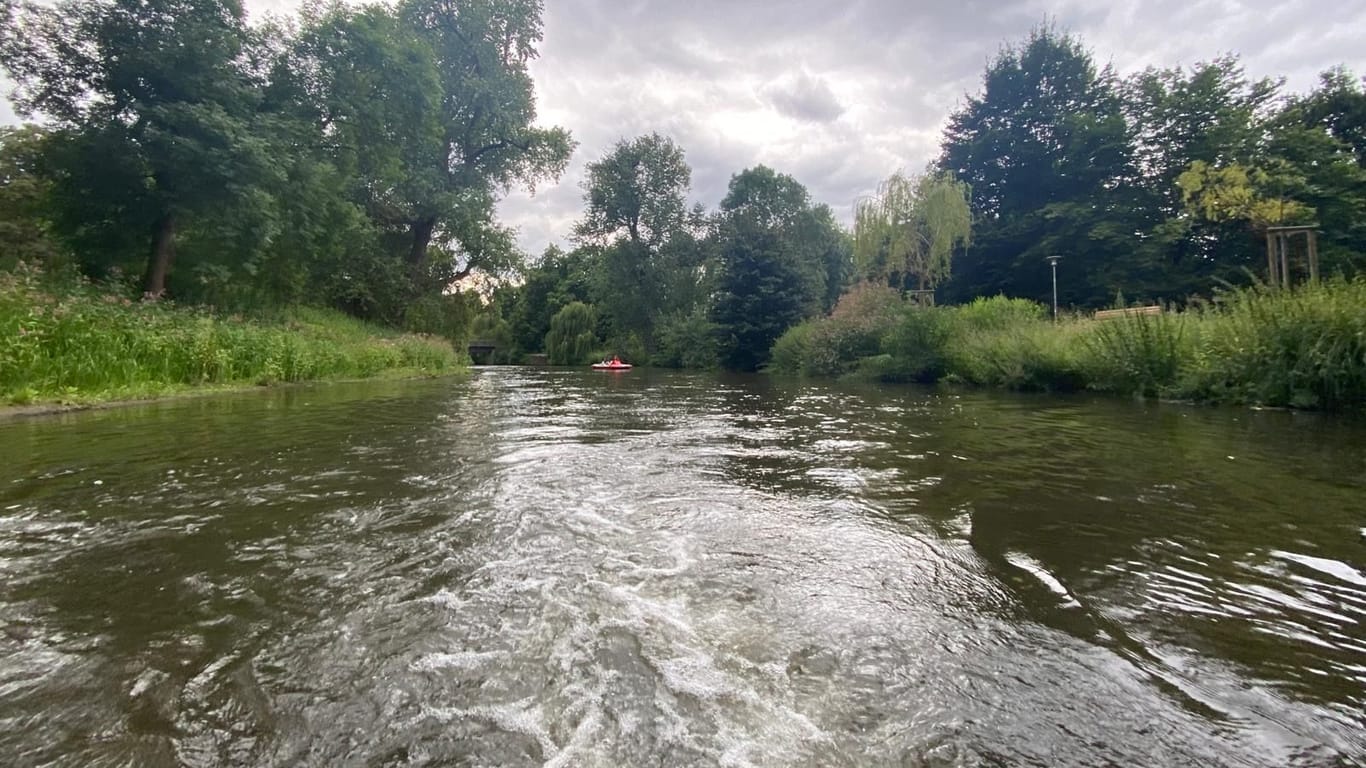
[1053,260]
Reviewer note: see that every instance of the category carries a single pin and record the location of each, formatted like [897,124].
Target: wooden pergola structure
[1278,252]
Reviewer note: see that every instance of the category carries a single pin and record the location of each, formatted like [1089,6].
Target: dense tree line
[352,156]
[1154,185]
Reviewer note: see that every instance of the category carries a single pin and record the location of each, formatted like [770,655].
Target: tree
[162,84]
[1235,193]
[487,142]
[429,108]
[25,198]
[1046,152]
[553,282]
[1212,114]
[1337,105]
[910,231]
[636,211]
[571,339]
[637,192]
[772,249]
[1322,136]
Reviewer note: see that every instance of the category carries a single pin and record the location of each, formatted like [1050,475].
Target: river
[530,567]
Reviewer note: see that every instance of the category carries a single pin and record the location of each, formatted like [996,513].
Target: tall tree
[908,233]
[488,140]
[1045,150]
[638,191]
[1322,137]
[161,83]
[636,213]
[429,107]
[1210,114]
[773,254]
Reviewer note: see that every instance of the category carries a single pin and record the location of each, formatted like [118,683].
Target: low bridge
[481,351]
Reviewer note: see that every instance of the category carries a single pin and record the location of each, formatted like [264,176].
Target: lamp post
[1053,260]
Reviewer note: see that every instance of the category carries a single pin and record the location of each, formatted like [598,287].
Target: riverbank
[1304,348]
[77,345]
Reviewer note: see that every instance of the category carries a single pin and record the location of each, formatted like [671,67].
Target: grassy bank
[1304,348]
[76,343]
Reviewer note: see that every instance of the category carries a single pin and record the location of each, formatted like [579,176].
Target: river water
[546,567]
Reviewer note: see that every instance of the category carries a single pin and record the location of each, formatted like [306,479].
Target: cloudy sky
[840,93]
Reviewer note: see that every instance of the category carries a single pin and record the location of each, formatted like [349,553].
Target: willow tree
[572,338]
[907,233]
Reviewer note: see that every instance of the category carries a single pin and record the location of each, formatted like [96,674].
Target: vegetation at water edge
[73,342]
[1302,348]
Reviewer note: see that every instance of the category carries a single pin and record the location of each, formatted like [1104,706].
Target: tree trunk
[422,237]
[163,254]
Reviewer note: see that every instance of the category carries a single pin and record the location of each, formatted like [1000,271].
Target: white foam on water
[459,660]
[1335,568]
[1037,570]
[524,717]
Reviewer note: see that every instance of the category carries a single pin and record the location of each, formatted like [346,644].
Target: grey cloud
[805,98]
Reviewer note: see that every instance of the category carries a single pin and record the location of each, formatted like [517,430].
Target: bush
[998,313]
[792,349]
[914,349]
[687,341]
[835,345]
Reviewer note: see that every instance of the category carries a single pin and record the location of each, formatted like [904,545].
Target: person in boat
[616,360]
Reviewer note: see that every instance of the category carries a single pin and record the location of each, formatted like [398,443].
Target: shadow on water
[563,567]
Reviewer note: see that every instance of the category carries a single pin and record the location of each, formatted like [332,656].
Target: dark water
[572,569]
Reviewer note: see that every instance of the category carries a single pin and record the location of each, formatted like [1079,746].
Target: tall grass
[79,343]
[1302,348]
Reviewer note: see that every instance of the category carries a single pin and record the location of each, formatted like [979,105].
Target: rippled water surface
[535,567]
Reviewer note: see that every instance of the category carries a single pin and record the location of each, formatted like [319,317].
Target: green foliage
[490,327]
[1138,354]
[452,316]
[914,350]
[774,252]
[687,341]
[556,279]
[631,349]
[638,192]
[646,240]
[349,157]
[998,313]
[1045,150]
[1303,348]
[25,200]
[791,350]
[162,83]
[907,234]
[572,339]
[82,343]
[854,330]
[1235,193]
